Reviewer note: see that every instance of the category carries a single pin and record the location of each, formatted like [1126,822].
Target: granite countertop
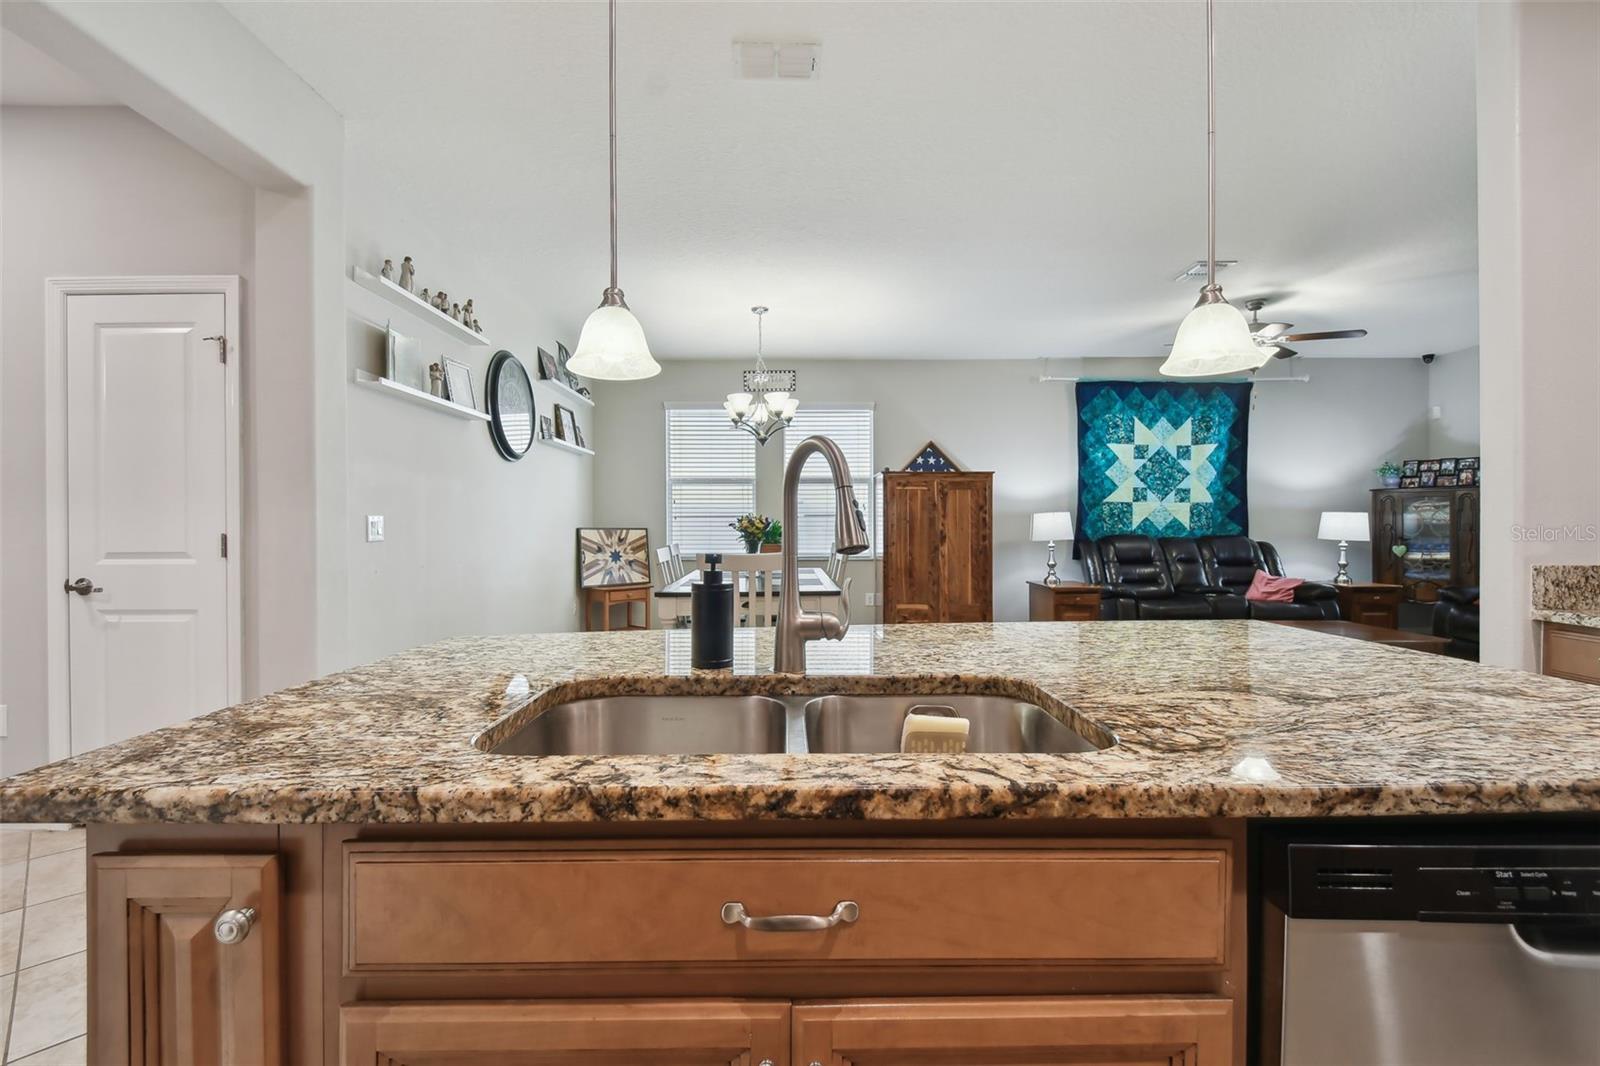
[1567,594]
[1346,727]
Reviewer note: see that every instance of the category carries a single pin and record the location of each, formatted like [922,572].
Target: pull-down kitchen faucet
[796,625]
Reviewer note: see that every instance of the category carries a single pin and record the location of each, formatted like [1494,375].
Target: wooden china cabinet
[1425,539]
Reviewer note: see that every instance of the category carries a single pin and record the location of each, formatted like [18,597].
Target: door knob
[83,586]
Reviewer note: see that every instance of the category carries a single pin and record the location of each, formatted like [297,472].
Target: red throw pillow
[1264,588]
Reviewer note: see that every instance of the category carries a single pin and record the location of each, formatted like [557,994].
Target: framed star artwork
[613,556]
[1162,459]
[931,459]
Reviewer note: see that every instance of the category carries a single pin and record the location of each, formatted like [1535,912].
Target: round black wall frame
[511,412]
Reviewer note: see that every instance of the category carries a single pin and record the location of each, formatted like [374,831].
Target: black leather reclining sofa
[1201,577]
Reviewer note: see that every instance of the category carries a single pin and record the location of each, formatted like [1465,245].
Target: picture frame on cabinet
[1447,466]
[1428,466]
[1411,482]
[1468,476]
[1425,480]
[458,383]
[1469,462]
[1408,468]
[1446,481]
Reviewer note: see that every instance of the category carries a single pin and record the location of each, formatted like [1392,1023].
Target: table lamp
[1343,526]
[1052,526]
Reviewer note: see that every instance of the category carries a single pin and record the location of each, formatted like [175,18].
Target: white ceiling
[971,179]
[28,76]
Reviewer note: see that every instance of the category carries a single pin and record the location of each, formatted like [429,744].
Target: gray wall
[1453,394]
[87,191]
[1313,445]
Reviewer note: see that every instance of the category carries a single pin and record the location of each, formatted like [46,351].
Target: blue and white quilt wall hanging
[1162,459]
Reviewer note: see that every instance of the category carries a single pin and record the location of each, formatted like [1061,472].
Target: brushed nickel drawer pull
[845,912]
[232,926]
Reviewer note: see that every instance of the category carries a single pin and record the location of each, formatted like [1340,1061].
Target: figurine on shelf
[425,297]
[408,275]
[475,327]
[440,301]
[435,380]
[466,313]
[455,312]
[387,273]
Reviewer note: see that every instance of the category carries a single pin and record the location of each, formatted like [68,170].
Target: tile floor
[43,980]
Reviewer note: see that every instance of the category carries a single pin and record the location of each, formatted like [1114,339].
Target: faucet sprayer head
[850,526]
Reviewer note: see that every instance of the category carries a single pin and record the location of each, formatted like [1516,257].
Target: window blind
[711,479]
[851,429]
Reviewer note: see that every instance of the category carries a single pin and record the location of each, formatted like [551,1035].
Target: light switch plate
[374,528]
[872,599]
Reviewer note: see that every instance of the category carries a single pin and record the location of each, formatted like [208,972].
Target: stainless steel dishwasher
[1403,953]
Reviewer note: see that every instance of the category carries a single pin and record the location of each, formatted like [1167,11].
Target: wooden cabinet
[938,558]
[1572,652]
[1089,1029]
[1063,603]
[1437,532]
[608,1032]
[1370,603]
[163,989]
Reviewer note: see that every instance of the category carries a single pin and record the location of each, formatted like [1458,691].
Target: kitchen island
[412,897]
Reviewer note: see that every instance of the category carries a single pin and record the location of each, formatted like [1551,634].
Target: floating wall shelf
[564,393]
[557,442]
[414,306]
[420,398]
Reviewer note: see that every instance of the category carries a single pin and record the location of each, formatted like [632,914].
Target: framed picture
[562,355]
[404,360]
[1428,466]
[1469,476]
[546,427]
[613,556]
[566,424]
[458,383]
[931,459]
[1468,463]
[577,435]
[1409,482]
[1446,481]
[547,366]
[1409,468]
[1425,479]
[1447,466]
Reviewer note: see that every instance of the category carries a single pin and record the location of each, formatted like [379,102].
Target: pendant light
[1214,337]
[767,403]
[612,345]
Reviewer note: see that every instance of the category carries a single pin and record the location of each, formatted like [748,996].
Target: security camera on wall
[1430,357]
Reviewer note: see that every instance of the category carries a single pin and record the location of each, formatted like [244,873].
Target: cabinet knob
[232,926]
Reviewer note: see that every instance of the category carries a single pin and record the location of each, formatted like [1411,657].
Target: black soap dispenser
[711,618]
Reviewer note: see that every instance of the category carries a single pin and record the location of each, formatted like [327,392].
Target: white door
[147,497]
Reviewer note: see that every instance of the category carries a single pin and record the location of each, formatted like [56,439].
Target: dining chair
[669,569]
[667,566]
[758,604]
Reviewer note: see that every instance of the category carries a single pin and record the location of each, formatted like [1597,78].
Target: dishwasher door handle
[1547,945]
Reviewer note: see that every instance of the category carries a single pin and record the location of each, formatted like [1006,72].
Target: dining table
[814,581]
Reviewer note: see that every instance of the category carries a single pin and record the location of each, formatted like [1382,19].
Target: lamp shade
[1213,339]
[612,347]
[1052,525]
[1343,525]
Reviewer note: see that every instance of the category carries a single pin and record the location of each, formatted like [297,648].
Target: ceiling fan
[1276,335]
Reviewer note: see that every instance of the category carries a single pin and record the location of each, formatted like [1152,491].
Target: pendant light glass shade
[612,347]
[1213,339]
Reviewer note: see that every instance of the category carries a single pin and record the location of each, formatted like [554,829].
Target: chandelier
[767,403]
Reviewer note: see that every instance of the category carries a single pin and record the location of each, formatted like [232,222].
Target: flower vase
[752,545]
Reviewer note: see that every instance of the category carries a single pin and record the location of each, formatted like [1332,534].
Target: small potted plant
[1389,474]
[772,539]
[752,529]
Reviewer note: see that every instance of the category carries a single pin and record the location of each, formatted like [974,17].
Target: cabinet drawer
[1572,652]
[429,908]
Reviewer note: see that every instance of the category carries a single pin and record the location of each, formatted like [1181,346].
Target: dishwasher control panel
[1410,882]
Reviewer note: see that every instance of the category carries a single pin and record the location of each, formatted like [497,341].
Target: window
[851,429]
[711,479]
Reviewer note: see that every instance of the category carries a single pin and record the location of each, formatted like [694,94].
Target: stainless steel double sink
[794,725]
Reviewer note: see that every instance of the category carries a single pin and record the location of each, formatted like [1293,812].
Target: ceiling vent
[791,60]
[1197,270]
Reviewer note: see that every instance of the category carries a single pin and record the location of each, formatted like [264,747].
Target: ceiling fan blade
[1266,331]
[1284,353]
[1326,335]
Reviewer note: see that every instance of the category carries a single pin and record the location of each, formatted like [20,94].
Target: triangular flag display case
[932,460]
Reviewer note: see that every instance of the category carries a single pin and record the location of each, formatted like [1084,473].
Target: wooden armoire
[938,547]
